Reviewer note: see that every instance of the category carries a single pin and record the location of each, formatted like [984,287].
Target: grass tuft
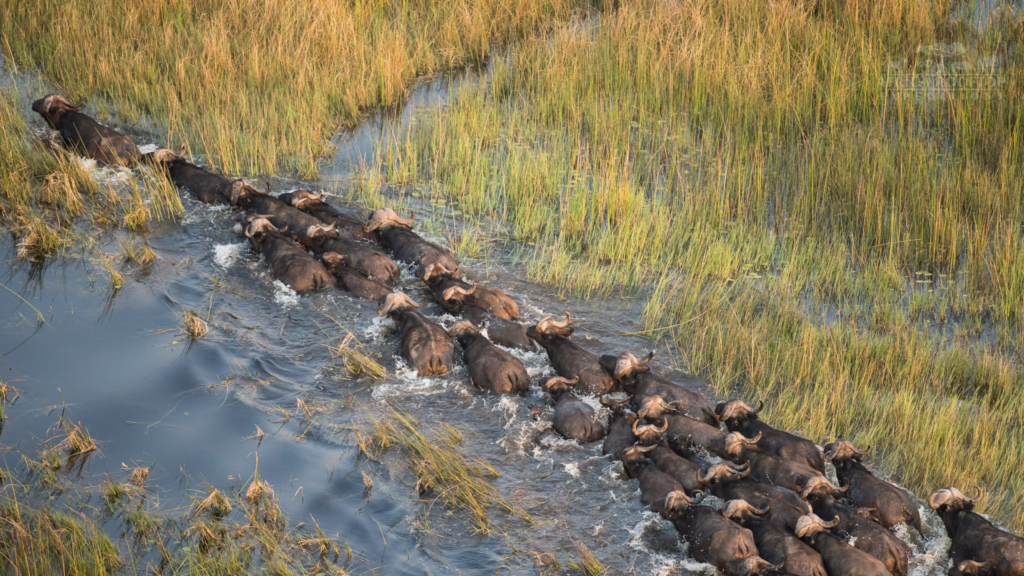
[193,325]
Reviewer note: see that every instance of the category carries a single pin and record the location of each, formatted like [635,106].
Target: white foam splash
[379,328]
[508,406]
[284,295]
[410,383]
[516,441]
[572,469]
[224,255]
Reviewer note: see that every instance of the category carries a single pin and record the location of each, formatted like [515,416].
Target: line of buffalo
[781,514]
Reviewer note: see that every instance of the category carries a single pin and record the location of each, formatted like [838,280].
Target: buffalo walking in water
[407,246]
[426,346]
[490,367]
[978,546]
[84,135]
[839,557]
[569,360]
[774,543]
[889,505]
[290,263]
[574,418]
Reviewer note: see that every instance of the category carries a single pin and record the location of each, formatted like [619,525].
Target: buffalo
[502,332]
[715,539]
[353,281]
[774,543]
[839,557]
[304,228]
[206,186]
[290,263]
[455,294]
[771,469]
[574,418]
[348,225]
[683,470]
[620,428]
[729,482]
[424,344]
[490,367]
[889,505]
[694,435]
[738,417]
[359,256]
[662,492]
[85,135]
[636,377]
[396,236]
[569,360]
[648,434]
[854,525]
[978,546]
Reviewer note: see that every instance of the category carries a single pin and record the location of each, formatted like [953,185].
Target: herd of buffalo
[781,514]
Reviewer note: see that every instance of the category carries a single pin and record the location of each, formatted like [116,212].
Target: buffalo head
[557,384]
[654,406]
[676,500]
[397,301]
[723,472]
[548,326]
[318,230]
[304,198]
[625,364]
[736,442]
[435,270]
[842,450]
[164,156]
[242,192]
[736,409]
[635,455]
[386,217]
[457,292]
[739,510]
[616,406]
[258,225]
[52,107]
[649,434]
[810,524]
[950,498]
[812,484]
[463,327]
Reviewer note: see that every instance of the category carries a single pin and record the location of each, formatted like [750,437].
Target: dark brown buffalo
[978,546]
[715,539]
[84,135]
[661,492]
[694,435]
[568,359]
[855,526]
[840,558]
[738,417]
[729,482]
[490,367]
[635,377]
[397,237]
[771,469]
[889,505]
[681,469]
[502,332]
[289,262]
[303,227]
[620,429]
[206,186]
[354,282]
[347,224]
[774,543]
[424,344]
[574,418]
[360,256]
[455,294]
[649,434]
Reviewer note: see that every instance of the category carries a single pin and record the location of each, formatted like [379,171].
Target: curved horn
[844,488]
[635,422]
[432,268]
[702,478]
[247,233]
[936,500]
[741,468]
[663,427]
[761,512]
[647,359]
[645,449]
[316,196]
[564,323]
[760,406]
[267,182]
[751,442]
[406,221]
[560,380]
[458,290]
[978,497]
[832,524]
[864,452]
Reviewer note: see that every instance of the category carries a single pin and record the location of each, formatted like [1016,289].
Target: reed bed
[257,85]
[808,229]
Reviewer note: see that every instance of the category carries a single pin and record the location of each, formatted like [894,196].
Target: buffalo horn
[458,290]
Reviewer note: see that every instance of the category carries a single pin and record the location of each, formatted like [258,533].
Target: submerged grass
[440,467]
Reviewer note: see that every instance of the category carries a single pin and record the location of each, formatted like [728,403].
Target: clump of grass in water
[588,564]
[193,325]
[438,464]
[357,363]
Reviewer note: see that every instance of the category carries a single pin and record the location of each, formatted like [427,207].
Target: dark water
[189,410]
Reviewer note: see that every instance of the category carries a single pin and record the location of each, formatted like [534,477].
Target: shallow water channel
[150,396]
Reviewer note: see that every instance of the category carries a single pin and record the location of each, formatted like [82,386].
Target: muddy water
[190,410]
